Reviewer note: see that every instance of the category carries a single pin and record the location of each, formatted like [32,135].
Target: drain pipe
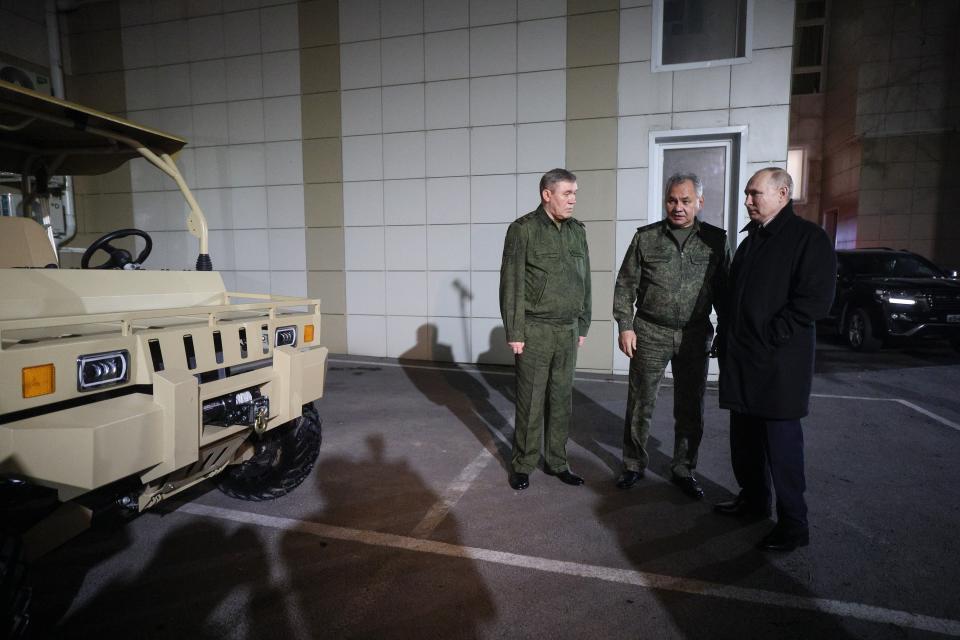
[56,83]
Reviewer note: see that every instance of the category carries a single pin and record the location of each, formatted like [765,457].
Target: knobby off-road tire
[281,461]
[14,593]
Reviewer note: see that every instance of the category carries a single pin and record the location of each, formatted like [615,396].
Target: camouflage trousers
[544,397]
[686,350]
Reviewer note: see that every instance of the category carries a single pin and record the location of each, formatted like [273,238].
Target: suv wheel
[281,461]
[859,334]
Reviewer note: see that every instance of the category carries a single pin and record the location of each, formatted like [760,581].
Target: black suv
[884,293]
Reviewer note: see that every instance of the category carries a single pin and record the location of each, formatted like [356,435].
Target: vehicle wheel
[14,594]
[281,461]
[860,335]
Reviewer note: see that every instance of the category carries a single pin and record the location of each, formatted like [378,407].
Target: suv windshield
[892,265]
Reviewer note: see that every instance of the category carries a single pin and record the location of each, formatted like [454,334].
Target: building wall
[372,153]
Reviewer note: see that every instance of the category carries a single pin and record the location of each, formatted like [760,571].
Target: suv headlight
[901,298]
[285,336]
[102,369]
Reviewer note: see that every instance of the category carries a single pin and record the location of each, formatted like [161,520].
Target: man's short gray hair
[679,178]
[780,178]
[554,176]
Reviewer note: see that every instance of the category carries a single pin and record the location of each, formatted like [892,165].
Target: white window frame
[656,57]
[732,138]
[799,186]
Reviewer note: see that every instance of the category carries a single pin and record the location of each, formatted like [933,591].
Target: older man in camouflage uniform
[674,271]
[545,305]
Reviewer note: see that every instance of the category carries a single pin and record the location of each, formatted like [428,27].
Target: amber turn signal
[39,380]
[308,333]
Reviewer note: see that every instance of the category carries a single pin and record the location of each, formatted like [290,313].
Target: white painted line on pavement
[869,613]
[452,495]
[906,403]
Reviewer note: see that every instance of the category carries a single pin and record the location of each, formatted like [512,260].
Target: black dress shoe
[689,485]
[629,478]
[784,540]
[567,477]
[519,481]
[740,508]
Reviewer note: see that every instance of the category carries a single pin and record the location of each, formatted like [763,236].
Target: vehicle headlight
[102,369]
[897,297]
[286,336]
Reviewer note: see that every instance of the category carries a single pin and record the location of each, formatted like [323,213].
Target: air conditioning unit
[25,78]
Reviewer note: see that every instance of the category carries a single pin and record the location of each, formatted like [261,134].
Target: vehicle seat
[25,243]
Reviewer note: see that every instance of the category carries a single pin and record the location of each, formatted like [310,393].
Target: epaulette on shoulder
[578,222]
[649,227]
[525,218]
[711,229]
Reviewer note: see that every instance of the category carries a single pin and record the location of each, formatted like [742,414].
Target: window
[701,33]
[810,46]
[796,167]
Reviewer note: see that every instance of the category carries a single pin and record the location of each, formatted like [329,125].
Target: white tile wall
[405,201]
[632,185]
[485,286]
[493,50]
[446,294]
[401,17]
[541,96]
[489,342]
[448,200]
[453,338]
[641,91]
[701,119]
[250,249]
[446,14]
[772,24]
[635,34]
[248,207]
[363,158]
[406,248]
[363,248]
[285,206]
[403,108]
[542,44]
[696,89]
[206,37]
[360,65]
[245,121]
[281,118]
[359,20]
[486,246]
[138,46]
[284,162]
[493,149]
[447,55]
[175,42]
[244,78]
[366,292]
[533,9]
[363,203]
[745,91]
[493,198]
[367,335]
[448,247]
[406,293]
[402,60]
[403,333]
[632,138]
[241,32]
[448,152]
[493,100]
[210,124]
[288,250]
[541,146]
[281,73]
[404,155]
[362,111]
[767,134]
[492,11]
[447,104]
[246,165]
[288,283]
[279,28]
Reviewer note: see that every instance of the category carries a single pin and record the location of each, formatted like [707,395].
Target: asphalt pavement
[407,528]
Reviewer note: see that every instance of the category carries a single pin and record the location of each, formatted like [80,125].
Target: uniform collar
[775,224]
[666,228]
[545,218]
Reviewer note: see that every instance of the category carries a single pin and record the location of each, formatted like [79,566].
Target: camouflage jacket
[545,274]
[670,285]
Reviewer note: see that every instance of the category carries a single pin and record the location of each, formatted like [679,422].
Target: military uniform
[544,303]
[673,286]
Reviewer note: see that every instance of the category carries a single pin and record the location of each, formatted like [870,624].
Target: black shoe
[689,485]
[783,540]
[519,481]
[741,508]
[629,478]
[567,477]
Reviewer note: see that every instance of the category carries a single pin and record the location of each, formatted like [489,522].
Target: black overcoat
[779,287]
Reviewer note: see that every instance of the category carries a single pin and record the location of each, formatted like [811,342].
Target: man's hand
[516,347]
[581,341]
[628,342]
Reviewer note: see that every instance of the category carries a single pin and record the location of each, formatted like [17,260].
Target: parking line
[643,579]
[452,495]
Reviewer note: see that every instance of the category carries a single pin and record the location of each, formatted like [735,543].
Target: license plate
[953,317]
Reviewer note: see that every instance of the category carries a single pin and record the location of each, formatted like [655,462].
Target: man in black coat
[781,282]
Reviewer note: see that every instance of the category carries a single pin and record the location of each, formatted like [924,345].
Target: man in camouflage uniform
[545,305]
[674,271]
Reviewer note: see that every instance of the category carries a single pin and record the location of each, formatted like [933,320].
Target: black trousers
[766,452]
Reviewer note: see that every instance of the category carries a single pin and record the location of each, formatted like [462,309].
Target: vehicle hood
[930,285]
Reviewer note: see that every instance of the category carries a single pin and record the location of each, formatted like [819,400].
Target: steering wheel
[119,258]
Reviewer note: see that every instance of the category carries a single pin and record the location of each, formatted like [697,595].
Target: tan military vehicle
[122,385]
